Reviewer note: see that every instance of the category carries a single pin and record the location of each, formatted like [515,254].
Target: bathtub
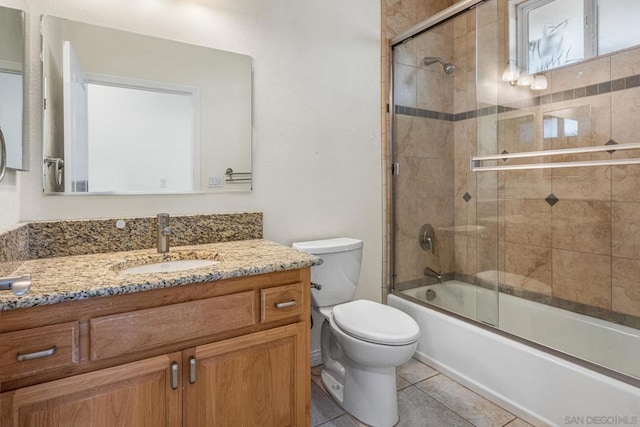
[533,384]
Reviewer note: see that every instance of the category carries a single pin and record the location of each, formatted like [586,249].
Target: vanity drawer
[281,302]
[131,332]
[34,351]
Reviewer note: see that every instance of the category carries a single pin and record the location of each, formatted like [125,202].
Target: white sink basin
[170,266]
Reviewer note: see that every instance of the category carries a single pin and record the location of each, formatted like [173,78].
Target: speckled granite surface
[14,248]
[80,237]
[46,239]
[56,280]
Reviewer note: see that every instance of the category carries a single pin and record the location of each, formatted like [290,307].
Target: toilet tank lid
[328,246]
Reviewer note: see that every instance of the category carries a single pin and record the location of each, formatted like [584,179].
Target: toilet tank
[338,274]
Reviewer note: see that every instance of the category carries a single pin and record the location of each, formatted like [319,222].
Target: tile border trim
[623,83]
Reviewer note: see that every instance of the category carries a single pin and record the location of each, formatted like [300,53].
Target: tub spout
[432,273]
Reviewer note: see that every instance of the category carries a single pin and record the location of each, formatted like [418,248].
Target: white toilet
[362,341]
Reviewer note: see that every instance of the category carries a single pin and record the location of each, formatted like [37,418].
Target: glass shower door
[444,215]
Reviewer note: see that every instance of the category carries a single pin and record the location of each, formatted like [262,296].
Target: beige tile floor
[426,398]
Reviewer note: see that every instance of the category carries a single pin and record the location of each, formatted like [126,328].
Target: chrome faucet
[432,273]
[18,285]
[163,233]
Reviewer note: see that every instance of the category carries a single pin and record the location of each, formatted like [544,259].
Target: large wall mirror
[126,113]
[12,82]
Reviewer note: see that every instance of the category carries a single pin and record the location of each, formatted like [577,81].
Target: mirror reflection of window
[554,127]
[570,127]
[550,127]
[572,124]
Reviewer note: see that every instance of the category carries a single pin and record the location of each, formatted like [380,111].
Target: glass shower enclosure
[515,173]
[442,214]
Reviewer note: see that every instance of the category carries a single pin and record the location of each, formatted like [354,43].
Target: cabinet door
[261,379]
[135,394]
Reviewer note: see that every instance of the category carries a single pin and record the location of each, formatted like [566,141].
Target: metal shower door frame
[450,12]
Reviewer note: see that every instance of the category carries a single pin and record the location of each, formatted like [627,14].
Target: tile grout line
[441,403]
[453,410]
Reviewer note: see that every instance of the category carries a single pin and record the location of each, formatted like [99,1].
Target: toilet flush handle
[316,286]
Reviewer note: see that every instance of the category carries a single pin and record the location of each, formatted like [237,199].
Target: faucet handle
[163,233]
[18,285]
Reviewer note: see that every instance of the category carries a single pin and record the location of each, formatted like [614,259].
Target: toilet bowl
[363,380]
[362,341]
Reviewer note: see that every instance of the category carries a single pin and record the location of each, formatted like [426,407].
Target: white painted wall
[9,200]
[316,154]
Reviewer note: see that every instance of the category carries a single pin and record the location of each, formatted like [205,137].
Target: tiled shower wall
[403,14]
[574,234]
[568,237]
[424,143]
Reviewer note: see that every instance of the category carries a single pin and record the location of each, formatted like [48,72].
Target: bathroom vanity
[221,345]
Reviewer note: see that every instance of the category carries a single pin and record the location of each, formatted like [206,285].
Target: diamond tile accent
[466,197]
[611,142]
[504,152]
[551,199]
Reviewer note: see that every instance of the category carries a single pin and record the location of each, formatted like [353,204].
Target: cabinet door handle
[192,370]
[174,375]
[286,304]
[36,355]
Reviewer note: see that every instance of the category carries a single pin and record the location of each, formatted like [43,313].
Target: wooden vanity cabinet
[135,394]
[227,353]
[272,393]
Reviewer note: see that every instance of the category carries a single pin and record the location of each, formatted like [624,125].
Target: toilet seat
[376,323]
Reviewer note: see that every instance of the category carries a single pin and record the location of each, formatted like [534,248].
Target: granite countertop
[71,278]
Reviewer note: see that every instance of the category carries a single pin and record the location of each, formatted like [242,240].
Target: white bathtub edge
[543,393]
[483,391]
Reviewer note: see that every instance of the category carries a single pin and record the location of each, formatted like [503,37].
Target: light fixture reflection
[525,80]
[539,82]
[510,74]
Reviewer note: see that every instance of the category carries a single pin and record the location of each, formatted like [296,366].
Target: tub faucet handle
[427,238]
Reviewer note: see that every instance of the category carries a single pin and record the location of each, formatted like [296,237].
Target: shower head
[448,68]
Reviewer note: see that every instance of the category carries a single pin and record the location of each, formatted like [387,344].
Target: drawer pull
[286,304]
[174,376]
[36,355]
